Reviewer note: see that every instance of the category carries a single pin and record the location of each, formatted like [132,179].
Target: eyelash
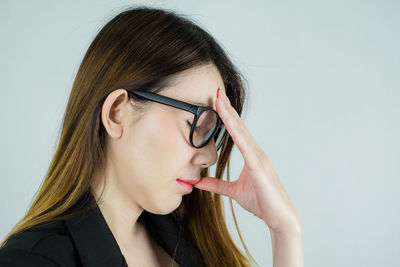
[190,125]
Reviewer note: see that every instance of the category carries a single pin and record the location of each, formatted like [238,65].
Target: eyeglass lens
[205,128]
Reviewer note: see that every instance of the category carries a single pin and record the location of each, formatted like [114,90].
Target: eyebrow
[203,105]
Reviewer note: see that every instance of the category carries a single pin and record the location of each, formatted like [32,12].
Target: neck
[120,212]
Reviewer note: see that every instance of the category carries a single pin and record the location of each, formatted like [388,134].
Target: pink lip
[188,184]
[192,182]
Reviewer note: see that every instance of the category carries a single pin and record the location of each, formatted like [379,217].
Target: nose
[208,154]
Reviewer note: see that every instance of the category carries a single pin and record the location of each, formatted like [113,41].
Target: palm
[245,193]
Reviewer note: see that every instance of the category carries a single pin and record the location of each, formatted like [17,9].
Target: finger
[217,186]
[237,129]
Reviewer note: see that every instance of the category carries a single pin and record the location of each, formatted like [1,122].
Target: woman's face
[147,154]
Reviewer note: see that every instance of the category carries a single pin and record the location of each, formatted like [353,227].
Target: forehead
[197,86]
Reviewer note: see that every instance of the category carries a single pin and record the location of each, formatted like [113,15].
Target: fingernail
[220,93]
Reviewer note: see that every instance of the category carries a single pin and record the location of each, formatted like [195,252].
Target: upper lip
[189,181]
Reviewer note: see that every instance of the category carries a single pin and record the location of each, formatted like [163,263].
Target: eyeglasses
[206,123]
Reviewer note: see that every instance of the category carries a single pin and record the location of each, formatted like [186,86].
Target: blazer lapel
[165,231]
[97,246]
[94,240]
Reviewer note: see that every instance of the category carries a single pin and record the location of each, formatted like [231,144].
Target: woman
[154,101]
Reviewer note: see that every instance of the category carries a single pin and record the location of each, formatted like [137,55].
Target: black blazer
[88,241]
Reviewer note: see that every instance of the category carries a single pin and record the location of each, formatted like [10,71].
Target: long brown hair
[142,48]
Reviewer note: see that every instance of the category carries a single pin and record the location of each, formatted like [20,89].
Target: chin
[164,210]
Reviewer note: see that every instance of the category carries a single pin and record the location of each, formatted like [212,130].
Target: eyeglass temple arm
[166,100]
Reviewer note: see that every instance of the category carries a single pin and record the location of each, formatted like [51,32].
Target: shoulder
[47,245]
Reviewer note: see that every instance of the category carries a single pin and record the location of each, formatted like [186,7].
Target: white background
[324,104]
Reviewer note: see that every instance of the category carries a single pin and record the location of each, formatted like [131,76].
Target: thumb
[217,186]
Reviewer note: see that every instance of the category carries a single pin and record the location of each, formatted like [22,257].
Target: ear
[114,112]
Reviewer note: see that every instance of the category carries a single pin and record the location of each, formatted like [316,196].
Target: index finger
[236,128]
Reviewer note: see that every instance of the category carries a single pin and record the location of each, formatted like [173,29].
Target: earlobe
[112,112]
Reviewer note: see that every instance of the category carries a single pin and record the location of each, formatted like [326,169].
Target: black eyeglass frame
[194,109]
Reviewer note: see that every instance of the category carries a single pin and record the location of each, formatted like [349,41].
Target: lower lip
[189,187]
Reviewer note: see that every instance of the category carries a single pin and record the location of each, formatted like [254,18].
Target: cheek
[165,138]
[158,168]
[153,157]
[171,132]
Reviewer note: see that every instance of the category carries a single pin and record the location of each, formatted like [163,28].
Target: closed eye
[190,125]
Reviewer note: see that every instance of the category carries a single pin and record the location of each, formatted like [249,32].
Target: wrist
[291,235]
[287,232]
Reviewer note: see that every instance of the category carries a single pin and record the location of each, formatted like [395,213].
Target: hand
[258,188]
